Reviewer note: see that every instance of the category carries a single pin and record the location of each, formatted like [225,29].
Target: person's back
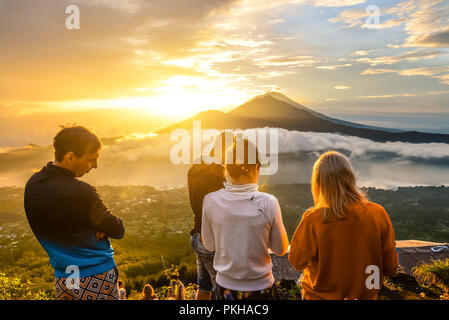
[70,220]
[242,219]
[241,224]
[335,255]
[345,244]
[62,213]
[202,179]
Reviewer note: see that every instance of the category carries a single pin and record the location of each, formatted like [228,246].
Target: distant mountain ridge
[282,97]
[278,111]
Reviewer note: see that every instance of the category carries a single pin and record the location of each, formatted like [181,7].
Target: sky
[139,65]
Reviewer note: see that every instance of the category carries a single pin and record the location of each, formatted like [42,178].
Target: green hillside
[158,222]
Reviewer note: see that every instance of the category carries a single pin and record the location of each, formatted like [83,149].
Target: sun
[176,98]
[181,97]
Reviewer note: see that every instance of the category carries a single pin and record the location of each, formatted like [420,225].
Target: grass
[434,274]
[403,286]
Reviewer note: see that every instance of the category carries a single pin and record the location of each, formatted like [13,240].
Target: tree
[16,289]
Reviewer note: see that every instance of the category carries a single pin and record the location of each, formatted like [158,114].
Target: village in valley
[158,224]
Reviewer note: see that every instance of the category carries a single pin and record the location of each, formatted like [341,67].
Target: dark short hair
[236,170]
[78,139]
[221,136]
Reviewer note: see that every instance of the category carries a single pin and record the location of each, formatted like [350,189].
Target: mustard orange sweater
[335,255]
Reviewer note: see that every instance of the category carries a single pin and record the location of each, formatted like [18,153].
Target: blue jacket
[65,214]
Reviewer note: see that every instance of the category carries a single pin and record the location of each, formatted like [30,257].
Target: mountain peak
[210,113]
[276,95]
[275,110]
[272,94]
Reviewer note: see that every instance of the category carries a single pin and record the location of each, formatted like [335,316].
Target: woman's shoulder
[313,213]
[374,210]
[372,206]
[211,195]
[266,199]
[265,195]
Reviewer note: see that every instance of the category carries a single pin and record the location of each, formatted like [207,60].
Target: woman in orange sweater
[345,244]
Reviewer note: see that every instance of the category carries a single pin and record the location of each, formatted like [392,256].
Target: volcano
[275,110]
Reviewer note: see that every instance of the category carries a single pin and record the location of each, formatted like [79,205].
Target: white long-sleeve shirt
[240,224]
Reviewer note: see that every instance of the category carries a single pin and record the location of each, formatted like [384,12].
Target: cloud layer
[295,141]
[140,159]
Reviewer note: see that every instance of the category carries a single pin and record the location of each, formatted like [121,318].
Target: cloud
[286,61]
[424,21]
[385,25]
[437,39]
[372,71]
[102,58]
[135,147]
[426,24]
[402,8]
[271,75]
[245,7]
[129,44]
[144,159]
[419,72]
[129,6]
[276,21]
[359,53]
[444,79]
[441,73]
[410,56]
[235,46]
[387,96]
[358,18]
[295,141]
[334,67]
[438,92]
[341,87]
[351,18]
[337,3]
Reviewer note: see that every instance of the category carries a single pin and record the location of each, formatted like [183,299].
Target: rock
[282,269]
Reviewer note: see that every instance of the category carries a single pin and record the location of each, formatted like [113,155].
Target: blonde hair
[334,186]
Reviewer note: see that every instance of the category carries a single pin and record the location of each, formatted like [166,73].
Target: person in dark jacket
[71,222]
[202,179]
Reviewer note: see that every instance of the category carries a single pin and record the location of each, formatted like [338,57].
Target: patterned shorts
[98,287]
[266,294]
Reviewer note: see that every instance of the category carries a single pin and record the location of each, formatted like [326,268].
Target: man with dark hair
[202,179]
[71,222]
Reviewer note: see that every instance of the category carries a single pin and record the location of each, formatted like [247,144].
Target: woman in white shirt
[241,223]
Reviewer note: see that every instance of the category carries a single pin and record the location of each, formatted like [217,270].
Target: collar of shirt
[59,170]
[240,188]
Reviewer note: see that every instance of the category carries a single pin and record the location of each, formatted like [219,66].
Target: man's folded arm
[101,218]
